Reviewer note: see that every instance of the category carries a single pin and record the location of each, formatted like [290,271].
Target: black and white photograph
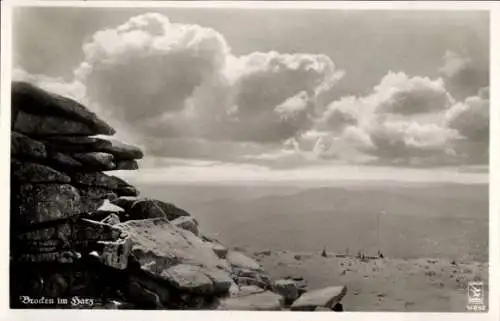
[249,159]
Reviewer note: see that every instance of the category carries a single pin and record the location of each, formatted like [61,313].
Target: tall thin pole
[378,236]
[378,228]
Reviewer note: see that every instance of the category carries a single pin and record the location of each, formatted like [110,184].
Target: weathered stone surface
[220,279]
[63,161]
[127,191]
[149,208]
[85,144]
[94,179]
[187,223]
[22,145]
[59,231]
[111,219]
[115,253]
[197,279]
[108,213]
[98,160]
[92,231]
[101,180]
[76,144]
[243,272]
[244,276]
[326,297]
[249,289]
[125,202]
[265,301]
[256,281]
[288,289]
[158,245]
[19,248]
[38,125]
[188,278]
[238,259]
[220,250]
[29,98]
[78,140]
[123,151]
[126,165]
[27,172]
[60,257]
[37,203]
[93,197]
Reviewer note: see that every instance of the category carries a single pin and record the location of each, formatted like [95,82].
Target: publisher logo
[475,296]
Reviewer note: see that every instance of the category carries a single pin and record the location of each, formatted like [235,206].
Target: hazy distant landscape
[418,220]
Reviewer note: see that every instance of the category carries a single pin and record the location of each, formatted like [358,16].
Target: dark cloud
[463,76]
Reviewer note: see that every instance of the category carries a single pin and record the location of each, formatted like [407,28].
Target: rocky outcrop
[79,232]
[56,185]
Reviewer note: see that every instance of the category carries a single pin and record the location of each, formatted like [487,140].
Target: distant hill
[418,220]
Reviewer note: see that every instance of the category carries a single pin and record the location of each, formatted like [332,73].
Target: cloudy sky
[274,95]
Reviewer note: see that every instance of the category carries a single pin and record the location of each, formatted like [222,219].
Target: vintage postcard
[248,157]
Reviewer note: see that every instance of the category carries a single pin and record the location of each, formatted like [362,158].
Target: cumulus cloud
[171,81]
[463,76]
[274,94]
[403,121]
[408,142]
[340,114]
[397,93]
[471,118]
[146,68]
[177,90]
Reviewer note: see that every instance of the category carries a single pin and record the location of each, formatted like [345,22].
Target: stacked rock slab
[77,232]
[56,182]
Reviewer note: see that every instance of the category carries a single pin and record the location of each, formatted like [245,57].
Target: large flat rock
[126,165]
[60,231]
[31,99]
[85,144]
[64,162]
[38,203]
[239,260]
[97,160]
[122,151]
[40,125]
[198,280]
[28,172]
[22,145]
[188,278]
[188,223]
[97,179]
[144,208]
[264,301]
[76,144]
[51,238]
[326,297]
[158,245]
[59,257]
